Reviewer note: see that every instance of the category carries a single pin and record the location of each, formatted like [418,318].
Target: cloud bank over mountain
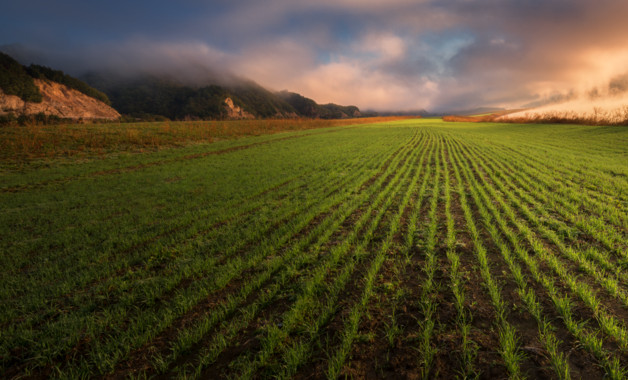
[400,54]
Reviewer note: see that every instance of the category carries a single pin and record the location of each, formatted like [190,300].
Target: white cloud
[386,46]
[386,54]
[353,82]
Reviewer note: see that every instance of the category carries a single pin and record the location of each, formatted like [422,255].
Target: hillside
[154,97]
[15,80]
[57,100]
[309,108]
[39,90]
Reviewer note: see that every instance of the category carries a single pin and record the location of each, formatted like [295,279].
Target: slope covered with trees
[15,80]
[309,108]
[154,97]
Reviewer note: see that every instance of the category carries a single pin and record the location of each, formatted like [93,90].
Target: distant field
[406,249]
[20,145]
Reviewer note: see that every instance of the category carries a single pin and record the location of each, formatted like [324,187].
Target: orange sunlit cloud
[402,54]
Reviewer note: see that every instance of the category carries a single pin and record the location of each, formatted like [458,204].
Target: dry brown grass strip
[599,117]
[26,143]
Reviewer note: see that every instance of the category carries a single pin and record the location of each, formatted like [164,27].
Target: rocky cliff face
[236,112]
[58,100]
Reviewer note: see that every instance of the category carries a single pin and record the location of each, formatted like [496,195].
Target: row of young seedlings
[317,296]
[184,339]
[578,174]
[463,317]
[108,216]
[508,341]
[609,283]
[577,182]
[146,323]
[290,268]
[410,240]
[184,274]
[539,186]
[547,337]
[403,254]
[118,288]
[235,307]
[605,225]
[427,300]
[608,322]
[209,356]
[563,303]
[540,202]
[100,279]
[572,195]
[110,280]
[594,175]
[350,332]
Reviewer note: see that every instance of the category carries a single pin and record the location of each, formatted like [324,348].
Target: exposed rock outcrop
[235,112]
[58,100]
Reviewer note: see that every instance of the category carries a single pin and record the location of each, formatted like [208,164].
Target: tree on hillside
[14,80]
[208,103]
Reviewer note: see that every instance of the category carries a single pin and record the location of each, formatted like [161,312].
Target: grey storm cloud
[398,54]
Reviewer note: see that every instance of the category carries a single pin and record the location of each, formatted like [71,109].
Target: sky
[381,55]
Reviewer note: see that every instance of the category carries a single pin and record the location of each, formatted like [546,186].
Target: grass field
[21,145]
[407,249]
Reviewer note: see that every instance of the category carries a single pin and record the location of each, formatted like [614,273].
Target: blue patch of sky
[324,56]
[90,21]
[441,47]
[329,34]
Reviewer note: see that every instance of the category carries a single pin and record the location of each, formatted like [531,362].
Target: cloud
[274,63]
[397,54]
[385,46]
[474,53]
[351,82]
[558,46]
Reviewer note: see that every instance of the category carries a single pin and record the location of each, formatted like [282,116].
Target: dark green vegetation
[407,249]
[152,97]
[308,108]
[16,79]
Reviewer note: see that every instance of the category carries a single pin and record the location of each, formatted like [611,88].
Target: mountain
[262,102]
[39,90]
[307,107]
[57,100]
[158,96]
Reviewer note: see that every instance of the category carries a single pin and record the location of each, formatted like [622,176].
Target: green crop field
[407,249]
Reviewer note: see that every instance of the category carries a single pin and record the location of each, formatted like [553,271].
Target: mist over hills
[151,96]
[309,108]
[196,91]
[188,95]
